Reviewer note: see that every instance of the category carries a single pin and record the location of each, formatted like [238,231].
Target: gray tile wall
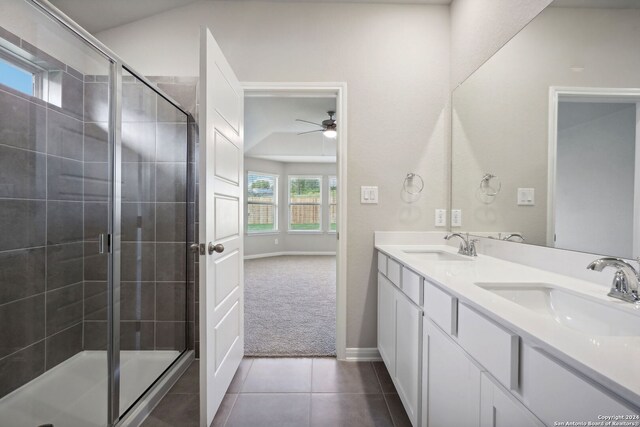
[41,224]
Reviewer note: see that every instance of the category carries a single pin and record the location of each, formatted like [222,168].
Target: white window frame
[276,180]
[39,76]
[289,204]
[329,204]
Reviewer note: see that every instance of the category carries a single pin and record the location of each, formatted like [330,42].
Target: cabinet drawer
[412,285]
[394,270]
[382,263]
[440,307]
[493,346]
[554,392]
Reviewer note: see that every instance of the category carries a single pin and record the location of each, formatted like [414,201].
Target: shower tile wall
[41,216]
[154,227]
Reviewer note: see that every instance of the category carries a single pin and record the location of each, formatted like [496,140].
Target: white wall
[260,244]
[595,177]
[480,28]
[395,60]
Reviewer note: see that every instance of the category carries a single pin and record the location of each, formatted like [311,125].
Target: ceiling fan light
[330,133]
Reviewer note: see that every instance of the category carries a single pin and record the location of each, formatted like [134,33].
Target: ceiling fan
[328,126]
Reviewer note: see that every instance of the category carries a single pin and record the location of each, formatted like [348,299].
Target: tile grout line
[384,396]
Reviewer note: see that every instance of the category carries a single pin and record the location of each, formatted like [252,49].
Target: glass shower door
[55,164]
[153,284]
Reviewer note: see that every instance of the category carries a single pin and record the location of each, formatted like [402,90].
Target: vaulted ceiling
[100,15]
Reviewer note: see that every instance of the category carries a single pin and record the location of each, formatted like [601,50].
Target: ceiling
[271,130]
[100,15]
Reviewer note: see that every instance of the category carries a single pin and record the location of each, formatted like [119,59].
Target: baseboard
[271,254]
[363,354]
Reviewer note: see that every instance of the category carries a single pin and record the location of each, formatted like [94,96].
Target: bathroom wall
[41,217]
[395,60]
[480,28]
[259,244]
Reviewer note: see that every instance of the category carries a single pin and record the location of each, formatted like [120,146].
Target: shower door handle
[104,243]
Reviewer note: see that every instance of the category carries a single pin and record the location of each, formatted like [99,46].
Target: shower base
[74,393]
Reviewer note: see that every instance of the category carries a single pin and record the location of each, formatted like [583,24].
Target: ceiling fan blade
[307,121]
[311,131]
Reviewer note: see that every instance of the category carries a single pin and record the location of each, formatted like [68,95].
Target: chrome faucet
[467,247]
[512,235]
[626,280]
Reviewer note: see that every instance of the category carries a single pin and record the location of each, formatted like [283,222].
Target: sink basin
[568,309]
[435,255]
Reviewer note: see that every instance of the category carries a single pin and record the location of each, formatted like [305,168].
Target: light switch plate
[526,197]
[441,217]
[369,194]
[456,217]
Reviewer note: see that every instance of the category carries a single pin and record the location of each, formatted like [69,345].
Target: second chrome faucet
[625,281]
[467,247]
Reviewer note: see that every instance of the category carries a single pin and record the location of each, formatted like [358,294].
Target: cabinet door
[408,355]
[499,409]
[453,382]
[387,322]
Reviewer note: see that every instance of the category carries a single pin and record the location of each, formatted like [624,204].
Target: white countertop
[614,361]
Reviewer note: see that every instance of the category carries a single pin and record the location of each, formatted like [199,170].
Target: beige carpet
[290,306]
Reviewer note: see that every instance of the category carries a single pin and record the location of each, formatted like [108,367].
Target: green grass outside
[260,227]
[305,227]
[295,227]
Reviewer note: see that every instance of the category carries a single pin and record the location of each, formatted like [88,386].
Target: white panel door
[221,195]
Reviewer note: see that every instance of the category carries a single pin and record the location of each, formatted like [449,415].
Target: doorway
[295,221]
[589,129]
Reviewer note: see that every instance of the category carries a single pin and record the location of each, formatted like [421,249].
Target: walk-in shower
[94,202]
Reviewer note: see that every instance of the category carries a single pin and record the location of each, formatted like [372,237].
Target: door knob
[219,248]
[195,248]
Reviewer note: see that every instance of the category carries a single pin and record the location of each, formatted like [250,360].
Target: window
[305,203]
[262,202]
[333,202]
[16,77]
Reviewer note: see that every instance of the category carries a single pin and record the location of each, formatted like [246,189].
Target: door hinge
[338,235]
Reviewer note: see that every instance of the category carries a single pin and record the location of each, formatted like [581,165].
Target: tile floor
[291,392]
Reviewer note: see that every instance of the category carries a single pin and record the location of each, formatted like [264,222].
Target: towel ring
[408,179]
[485,185]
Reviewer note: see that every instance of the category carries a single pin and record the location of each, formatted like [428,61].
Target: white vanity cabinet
[498,408]
[408,355]
[451,382]
[400,340]
[456,365]
[387,322]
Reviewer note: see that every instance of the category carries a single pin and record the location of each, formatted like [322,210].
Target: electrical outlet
[456,217]
[526,196]
[276,241]
[441,217]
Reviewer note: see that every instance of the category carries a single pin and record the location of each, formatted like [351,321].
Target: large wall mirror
[545,133]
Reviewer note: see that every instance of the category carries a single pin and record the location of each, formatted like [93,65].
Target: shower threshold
[74,393]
